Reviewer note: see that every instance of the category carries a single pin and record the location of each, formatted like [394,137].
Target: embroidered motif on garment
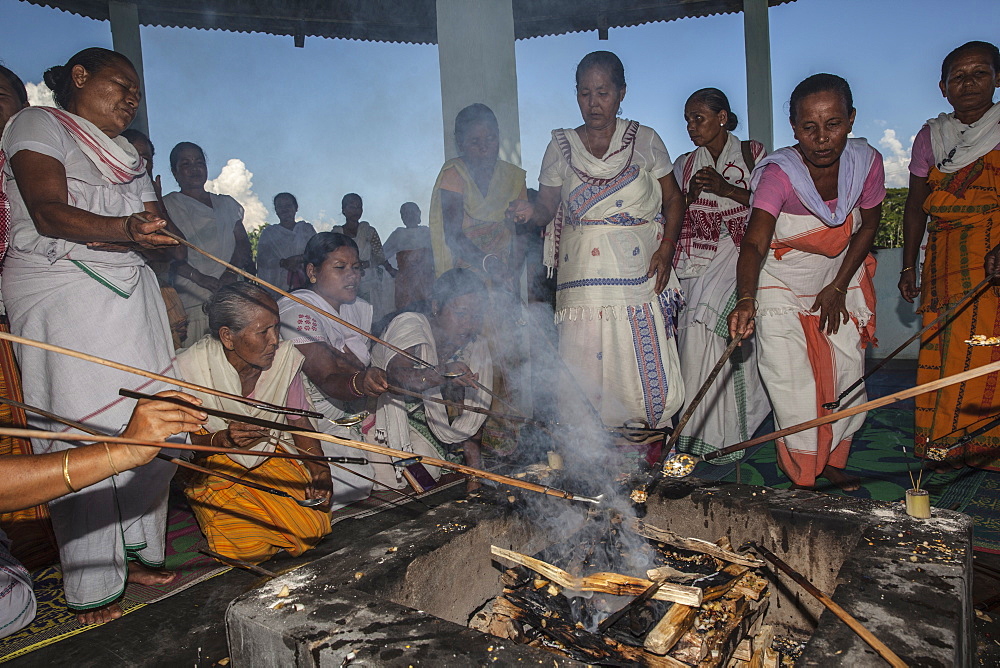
[619,202]
[588,282]
[596,252]
[586,195]
[622,219]
[649,360]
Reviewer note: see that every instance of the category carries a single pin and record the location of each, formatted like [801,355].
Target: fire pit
[406,596]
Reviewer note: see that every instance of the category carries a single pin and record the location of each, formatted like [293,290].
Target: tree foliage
[254,238]
[890,229]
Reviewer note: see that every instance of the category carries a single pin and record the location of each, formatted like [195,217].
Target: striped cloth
[244,523]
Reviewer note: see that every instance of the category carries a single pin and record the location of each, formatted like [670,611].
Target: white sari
[615,333]
[705,262]
[392,426]
[105,304]
[211,229]
[301,325]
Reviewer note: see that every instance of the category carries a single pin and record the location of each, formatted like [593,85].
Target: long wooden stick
[830,605]
[174,460]
[938,320]
[854,410]
[6,336]
[63,436]
[370,447]
[702,391]
[259,281]
[360,330]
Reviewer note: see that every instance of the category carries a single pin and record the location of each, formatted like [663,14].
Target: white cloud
[40,95]
[236,181]
[895,158]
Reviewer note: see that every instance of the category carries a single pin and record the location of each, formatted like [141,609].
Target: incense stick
[263,405]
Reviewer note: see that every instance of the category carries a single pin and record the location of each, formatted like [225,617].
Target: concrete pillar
[476,54]
[125,38]
[757,41]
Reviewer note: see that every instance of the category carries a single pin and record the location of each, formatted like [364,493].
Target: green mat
[878,461]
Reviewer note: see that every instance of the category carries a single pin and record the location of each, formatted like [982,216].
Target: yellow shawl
[483,222]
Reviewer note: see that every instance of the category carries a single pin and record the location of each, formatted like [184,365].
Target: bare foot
[145,575]
[100,615]
[841,479]
[835,476]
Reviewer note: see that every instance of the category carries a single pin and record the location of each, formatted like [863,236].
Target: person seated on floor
[448,336]
[337,375]
[30,480]
[242,354]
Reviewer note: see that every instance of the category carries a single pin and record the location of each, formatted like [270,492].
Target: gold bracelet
[843,292]
[354,386]
[211,441]
[107,451]
[907,269]
[756,304]
[69,483]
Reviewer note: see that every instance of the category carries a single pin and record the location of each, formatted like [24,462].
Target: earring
[312,280]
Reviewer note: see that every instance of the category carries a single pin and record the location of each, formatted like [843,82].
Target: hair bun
[734,121]
[55,76]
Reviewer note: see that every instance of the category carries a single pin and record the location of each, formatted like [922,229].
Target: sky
[343,116]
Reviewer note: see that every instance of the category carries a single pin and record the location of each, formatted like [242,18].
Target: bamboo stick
[861,408]
[360,330]
[6,336]
[608,583]
[259,281]
[371,447]
[174,460]
[833,607]
[63,436]
[947,313]
[702,391]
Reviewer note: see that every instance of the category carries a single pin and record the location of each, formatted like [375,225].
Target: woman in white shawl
[377,275]
[715,179]
[279,248]
[243,355]
[211,222]
[81,207]
[612,242]
[336,370]
[448,337]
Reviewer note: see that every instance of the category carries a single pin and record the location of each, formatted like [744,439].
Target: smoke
[40,95]
[594,463]
[236,181]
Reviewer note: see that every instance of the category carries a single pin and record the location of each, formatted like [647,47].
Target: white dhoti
[100,528]
[17,598]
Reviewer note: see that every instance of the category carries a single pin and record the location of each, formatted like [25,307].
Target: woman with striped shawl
[715,179]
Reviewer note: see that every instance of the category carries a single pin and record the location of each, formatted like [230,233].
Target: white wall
[896,320]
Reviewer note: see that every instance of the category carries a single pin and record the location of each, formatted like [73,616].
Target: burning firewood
[695,544]
[607,583]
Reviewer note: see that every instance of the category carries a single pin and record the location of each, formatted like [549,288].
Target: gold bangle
[107,451]
[843,292]
[69,483]
[756,304]
[354,387]
[907,269]
[211,441]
